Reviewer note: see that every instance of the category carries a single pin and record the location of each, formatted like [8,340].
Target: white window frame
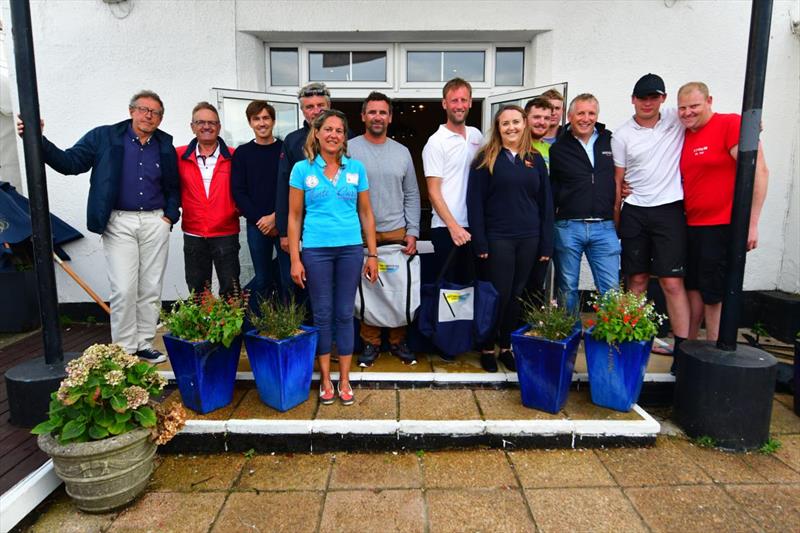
[219,94]
[488,63]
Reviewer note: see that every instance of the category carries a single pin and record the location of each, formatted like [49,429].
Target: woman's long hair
[487,156]
[311,148]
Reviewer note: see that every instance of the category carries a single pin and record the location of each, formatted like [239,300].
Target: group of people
[655,196]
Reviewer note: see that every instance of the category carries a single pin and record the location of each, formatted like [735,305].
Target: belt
[590,220]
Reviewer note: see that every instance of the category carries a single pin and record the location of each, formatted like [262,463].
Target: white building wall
[90,60]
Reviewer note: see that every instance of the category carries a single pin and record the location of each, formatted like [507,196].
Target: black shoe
[447,358]
[151,356]
[507,358]
[402,352]
[368,356]
[488,362]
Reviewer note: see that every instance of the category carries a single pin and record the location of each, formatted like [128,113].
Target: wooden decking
[19,455]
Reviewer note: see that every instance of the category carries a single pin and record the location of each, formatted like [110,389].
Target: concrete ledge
[29,492]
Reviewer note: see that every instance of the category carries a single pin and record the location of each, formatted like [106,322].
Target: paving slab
[465,363]
[389,363]
[583,509]
[370,404]
[223,413]
[286,472]
[179,512]
[462,510]
[376,471]
[783,420]
[506,404]
[771,468]
[277,512]
[789,451]
[723,467]
[62,516]
[560,468]
[433,404]
[251,407]
[182,473]
[467,469]
[689,508]
[579,406]
[663,464]
[774,507]
[786,399]
[400,511]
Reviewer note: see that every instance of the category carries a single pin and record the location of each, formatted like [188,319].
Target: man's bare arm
[459,235]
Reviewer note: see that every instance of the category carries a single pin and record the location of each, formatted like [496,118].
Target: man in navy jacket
[584,190]
[133,202]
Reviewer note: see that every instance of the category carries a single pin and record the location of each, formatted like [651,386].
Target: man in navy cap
[651,223]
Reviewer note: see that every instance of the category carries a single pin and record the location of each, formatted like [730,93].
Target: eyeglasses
[201,123]
[147,111]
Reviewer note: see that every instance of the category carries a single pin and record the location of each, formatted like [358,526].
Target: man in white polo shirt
[652,223]
[446,159]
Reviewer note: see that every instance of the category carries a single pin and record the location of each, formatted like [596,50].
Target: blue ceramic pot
[545,368]
[616,371]
[205,372]
[282,368]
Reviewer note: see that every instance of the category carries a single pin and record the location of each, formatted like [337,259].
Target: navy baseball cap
[649,84]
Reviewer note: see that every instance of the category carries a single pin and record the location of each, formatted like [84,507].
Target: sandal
[325,397]
[345,396]
[660,347]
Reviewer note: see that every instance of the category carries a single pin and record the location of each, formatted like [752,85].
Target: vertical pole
[758,48]
[37,187]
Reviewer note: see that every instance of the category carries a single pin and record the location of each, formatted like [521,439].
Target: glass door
[520,98]
[235,128]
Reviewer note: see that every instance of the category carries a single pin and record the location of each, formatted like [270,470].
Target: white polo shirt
[651,158]
[207,164]
[448,155]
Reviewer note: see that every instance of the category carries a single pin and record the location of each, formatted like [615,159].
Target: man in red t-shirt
[708,167]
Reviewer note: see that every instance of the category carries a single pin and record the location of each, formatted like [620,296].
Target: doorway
[413,121]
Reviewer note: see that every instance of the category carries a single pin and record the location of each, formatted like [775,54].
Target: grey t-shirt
[393,190]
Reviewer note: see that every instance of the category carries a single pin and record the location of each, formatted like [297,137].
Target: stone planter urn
[105,474]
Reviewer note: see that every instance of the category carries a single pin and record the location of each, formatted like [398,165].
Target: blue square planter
[282,368]
[205,372]
[616,372]
[544,368]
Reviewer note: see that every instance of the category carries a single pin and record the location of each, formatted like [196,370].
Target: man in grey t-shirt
[394,195]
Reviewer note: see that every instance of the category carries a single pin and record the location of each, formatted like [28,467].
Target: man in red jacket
[210,218]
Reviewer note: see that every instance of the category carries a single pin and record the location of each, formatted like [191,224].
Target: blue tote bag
[457,317]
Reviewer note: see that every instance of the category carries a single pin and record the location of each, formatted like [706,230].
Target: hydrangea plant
[107,392]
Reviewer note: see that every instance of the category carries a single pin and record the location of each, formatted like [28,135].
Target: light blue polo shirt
[589,146]
[331,211]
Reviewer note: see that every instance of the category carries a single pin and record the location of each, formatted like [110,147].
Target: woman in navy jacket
[510,211]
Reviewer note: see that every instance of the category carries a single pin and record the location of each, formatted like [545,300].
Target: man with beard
[394,196]
[539,111]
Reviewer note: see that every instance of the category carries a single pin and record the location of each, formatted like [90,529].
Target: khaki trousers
[372,334]
[135,245]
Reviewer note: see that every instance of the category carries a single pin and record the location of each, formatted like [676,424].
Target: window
[509,66]
[347,66]
[283,67]
[425,66]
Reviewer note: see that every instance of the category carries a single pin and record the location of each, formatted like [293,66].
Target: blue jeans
[598,240]
[270,276]
[332,279]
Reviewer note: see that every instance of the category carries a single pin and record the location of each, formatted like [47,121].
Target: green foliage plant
[624,316]
[277,319]
[106,392]
[704,441]
[770,447]
[205,317]
[548,320]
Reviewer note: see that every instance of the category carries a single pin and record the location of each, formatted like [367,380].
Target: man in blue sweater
[584,191]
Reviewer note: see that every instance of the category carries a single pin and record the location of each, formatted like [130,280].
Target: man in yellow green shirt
[539,110]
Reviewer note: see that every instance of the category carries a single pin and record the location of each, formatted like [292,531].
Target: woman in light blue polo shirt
[329,202]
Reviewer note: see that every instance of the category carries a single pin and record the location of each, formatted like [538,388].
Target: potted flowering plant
[103,427]
[204,344]
[545,350]
[618,347]
[281,352]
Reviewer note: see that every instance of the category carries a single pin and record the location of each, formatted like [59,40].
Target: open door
[520,97]
[235,129]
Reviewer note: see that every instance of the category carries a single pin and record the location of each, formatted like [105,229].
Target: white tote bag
[393,300]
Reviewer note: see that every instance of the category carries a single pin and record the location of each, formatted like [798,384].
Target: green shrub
[548,320]
[205,317]
[277,319]
[624,316]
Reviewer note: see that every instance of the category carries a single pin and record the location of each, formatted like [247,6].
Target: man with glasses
[133,203]
[210,218]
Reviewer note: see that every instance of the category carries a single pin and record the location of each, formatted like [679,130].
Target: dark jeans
[332,279]
[463,268]
[510,263]
[271,276]
[200,253]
